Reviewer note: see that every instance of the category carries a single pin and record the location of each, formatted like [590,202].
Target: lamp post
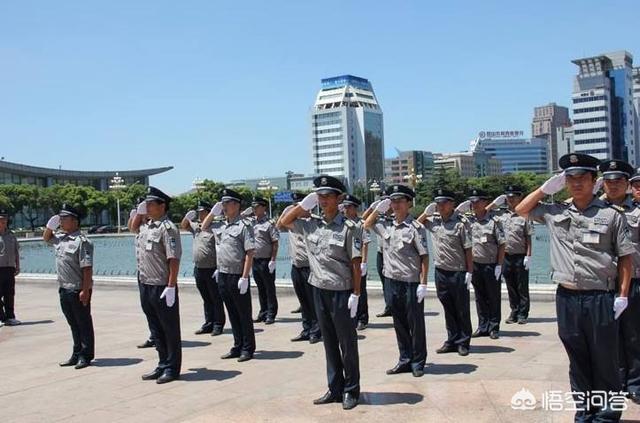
[265,186]
[375,188]
[117,184]
[413,180]
[198,185]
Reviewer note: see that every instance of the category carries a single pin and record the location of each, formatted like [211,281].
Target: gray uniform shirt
[139,244]
[298,250]
[585,244]
[404,245]
[204,246]
[632,212]
[161,241]
[450,239]
[331,247]
[516,230]
[487,235]
[266,234]
[9,249]
[233,240]
[73,253]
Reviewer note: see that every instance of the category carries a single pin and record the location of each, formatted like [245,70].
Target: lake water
[115,256]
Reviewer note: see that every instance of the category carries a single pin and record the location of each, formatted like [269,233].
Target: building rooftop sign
[500,134]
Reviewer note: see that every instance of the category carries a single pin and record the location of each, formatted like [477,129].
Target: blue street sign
[282,197]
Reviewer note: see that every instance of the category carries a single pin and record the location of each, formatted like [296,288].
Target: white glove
[598,185]
[374,204]
[527,262]
[500,200]
[383,206]
[142,208]
[53,222]
[619,305]
[272,266]
[421,292]
[363,269]
[430,209]
[498,271]
[133,213]
[169,295]
[216,210]
[464,207]
[554,184]
[352,304]
[309,202]
[215,275]
[243,285]
[191,214]
[467,279]
[247,212]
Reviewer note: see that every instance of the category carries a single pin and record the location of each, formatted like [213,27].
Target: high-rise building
[565,143]
[347,134]
[467,163]
[516,153]
[636,105]
[603,111]
[546,120]
[399,169]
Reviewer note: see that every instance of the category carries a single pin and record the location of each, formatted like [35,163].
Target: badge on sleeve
[357,243]
[172,243]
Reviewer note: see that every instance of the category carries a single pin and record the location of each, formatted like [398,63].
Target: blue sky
[222,90]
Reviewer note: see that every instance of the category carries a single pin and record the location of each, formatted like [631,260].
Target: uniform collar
[262,219]
[72,235]
[407,221]
[487,216]
[233,221]
[595,202]
[338,220]
[156,223]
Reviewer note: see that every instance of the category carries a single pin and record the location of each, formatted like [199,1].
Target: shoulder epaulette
[316,216]
[247,222]
[416,224]
[167,224]
[617,208]
[463,218]
[272,221]
[350,224]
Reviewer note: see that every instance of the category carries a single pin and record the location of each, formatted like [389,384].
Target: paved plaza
[283,379]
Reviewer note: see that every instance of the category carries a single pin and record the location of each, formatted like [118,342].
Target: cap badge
[573,158]
[613,165]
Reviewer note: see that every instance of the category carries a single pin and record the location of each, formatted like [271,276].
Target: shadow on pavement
[518,333]
[202,373]
[449,369]
[361,337]
[380,325]
[542,320]
[115,362]
[488,349]
[288,319]
[276,355]
[193,344]
[389,398]
[431,313]
[36,322]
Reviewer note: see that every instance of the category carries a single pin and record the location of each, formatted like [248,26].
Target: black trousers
[487,290]
[79,319]
[408,322]
[386,293]
[164,323]
[211,299]
[266,283]
[141,306]
[454,296]
[629,322]
[340,340]
[239,310]
[589,334]
[362,316]
[304,292]
[517,279]
[7,292]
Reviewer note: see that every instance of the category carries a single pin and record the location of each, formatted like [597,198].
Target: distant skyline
[222,90]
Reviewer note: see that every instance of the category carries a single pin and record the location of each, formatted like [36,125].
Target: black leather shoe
[522,321]
[510,320]
[216,331]
[494,334]
[478,333]
[328,398]
[446,348]
[463,350]
[70,362]
[82,363]
[244,357]
[400,368]
[156,373]
[386,313]
[269,321]
[297,310]
[203,331]
[417,372]
[301,337]
[361,326]
[147,344]
[167,377]
[259,319]
[230,354]
[315,340]
[349,401]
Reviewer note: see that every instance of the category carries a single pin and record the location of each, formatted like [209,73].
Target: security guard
[334,245]
[9,268]
[159,265]
[386,292]
[235,246]
[350,206]
[616,175]
[204,259]
[406,268]
[453,262]
[590,248]
[488,256]
[138,248]
[517,258]
[264,261]
[300,272]
[74,266]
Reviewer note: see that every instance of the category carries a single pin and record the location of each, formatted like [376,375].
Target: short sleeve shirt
[632,213]
[234,239]
[517,230]
[73,253]
[487,235]
[266,234]
[450,237]
[204,246]
[9,249]
[161,242]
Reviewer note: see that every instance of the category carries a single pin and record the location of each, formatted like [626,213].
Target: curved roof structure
[26,170]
